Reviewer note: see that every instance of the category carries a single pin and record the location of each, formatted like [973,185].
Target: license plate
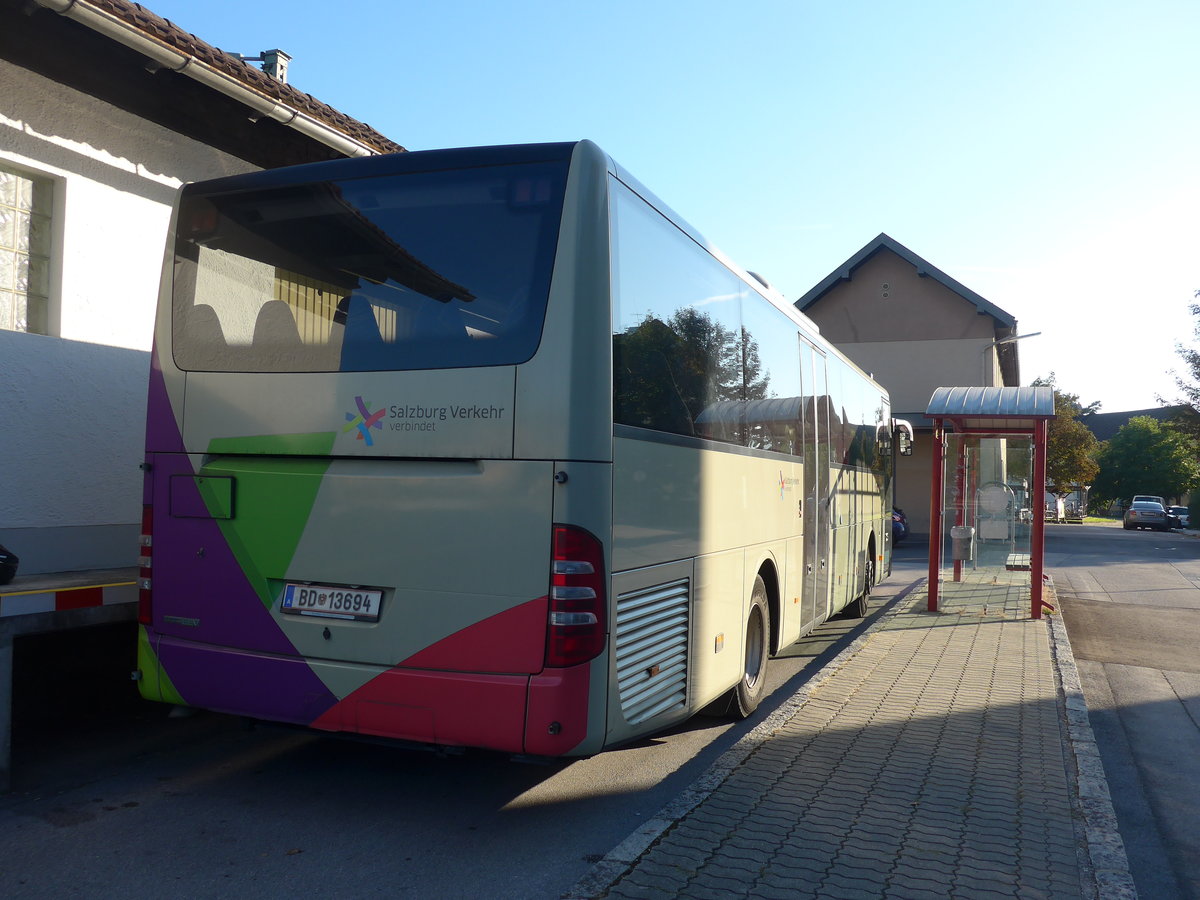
[332,602]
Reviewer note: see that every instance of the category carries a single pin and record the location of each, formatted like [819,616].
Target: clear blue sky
[1042,153]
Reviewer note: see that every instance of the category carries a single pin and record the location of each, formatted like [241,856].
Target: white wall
[69,452]
[74,404]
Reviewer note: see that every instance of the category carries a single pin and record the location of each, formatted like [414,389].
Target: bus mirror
[904,444]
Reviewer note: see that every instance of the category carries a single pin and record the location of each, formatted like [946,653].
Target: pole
[960,487]
[1038,550]
[935,512]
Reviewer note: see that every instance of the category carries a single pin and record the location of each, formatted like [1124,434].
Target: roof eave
[104,18]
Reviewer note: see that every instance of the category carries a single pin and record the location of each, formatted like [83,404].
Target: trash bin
[8,565]
[962,542]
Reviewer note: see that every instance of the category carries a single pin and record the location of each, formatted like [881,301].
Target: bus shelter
[989,476]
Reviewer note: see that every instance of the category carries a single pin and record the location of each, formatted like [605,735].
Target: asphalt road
[112,797]
[1131,603]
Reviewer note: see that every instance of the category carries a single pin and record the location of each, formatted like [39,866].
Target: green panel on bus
[274,500]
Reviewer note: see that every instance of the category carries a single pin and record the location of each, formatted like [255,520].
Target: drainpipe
[164,56]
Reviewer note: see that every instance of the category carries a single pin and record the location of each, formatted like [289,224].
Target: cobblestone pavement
[942,755]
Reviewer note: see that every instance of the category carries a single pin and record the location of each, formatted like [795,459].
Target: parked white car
[1149,498]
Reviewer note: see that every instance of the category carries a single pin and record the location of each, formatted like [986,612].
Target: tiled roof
[170,34]
[1104,425]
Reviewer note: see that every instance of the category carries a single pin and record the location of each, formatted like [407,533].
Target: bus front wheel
[757,651]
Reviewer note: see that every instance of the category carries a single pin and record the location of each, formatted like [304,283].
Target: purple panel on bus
[248,684]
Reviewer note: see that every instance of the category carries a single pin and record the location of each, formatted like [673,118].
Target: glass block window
[25,208]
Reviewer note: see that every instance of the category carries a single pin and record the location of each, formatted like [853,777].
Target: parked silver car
[1146,514]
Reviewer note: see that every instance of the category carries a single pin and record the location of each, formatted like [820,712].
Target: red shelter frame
[990,411]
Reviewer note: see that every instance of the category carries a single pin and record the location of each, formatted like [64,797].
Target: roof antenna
[760,280]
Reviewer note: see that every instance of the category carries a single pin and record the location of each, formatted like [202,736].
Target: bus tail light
[575,632]
[145,562]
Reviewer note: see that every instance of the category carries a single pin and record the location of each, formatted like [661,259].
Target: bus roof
[394,164]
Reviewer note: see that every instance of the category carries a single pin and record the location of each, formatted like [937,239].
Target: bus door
[815,603]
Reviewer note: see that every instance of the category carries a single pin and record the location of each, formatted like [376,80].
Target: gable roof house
[1104,426]
[105,109]
[915,329]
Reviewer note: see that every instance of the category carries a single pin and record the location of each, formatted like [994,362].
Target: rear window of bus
[410,271]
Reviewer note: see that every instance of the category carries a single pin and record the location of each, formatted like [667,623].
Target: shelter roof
[771,409]
[992,408]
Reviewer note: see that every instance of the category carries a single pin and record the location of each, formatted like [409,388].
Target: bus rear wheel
[757,652]
[859,606]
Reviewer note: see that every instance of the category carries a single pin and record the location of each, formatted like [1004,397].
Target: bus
[487,448]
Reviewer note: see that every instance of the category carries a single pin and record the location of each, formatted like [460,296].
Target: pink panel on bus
[410,702]
[558,710]
[511,641]
[436,708]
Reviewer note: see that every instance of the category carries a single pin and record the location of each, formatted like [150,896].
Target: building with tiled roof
[126,55]
[105,110]
[915,329]
[1105,425]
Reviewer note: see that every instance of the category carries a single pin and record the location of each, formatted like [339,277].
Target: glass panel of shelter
[987,511]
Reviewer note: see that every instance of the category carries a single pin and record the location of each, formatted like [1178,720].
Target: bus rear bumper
[544,714]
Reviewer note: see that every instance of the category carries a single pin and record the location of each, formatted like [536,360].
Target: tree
[1146,457]
[1070,447]
[668,373]
[652,391]
[1188,420]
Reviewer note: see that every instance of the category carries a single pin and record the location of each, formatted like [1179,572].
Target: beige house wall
[886,300]
[912,370]
[914,480]
[913,334]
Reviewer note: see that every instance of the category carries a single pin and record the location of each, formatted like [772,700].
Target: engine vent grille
[652,650]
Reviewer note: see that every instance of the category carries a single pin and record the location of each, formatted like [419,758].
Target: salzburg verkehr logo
[364,420]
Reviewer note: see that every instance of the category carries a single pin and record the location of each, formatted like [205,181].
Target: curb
[1101,851]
